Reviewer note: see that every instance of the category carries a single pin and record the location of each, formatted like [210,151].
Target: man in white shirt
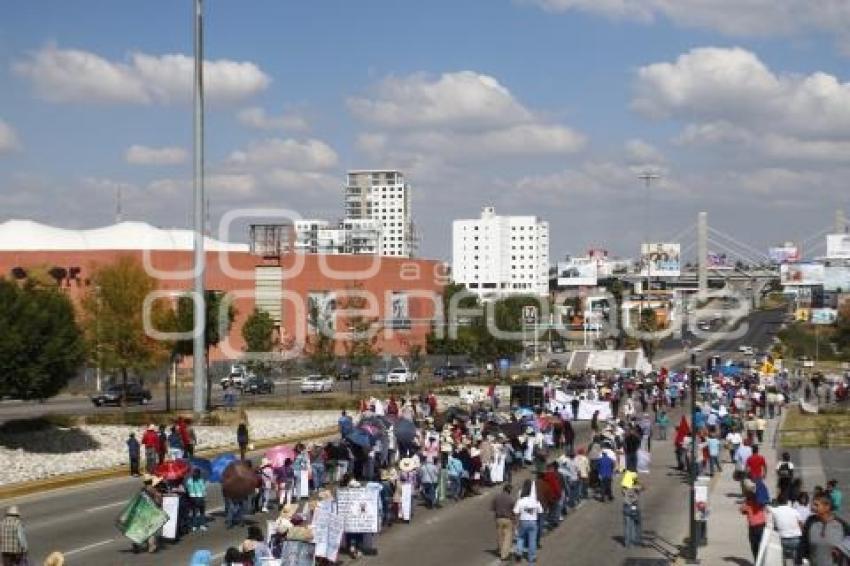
[786,521]
[733,440]
[527,508]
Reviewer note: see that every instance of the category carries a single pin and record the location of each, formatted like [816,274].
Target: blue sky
[547,107]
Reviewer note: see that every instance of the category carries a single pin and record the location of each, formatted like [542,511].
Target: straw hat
[13,511]
[289,510]
[446,447]
[248,545]
[475,452]
[389,475]
[151,479]
[407,465]
[265,462]
[282,525]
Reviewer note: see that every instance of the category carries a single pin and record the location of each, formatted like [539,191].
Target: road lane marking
[88,547]
[105,506]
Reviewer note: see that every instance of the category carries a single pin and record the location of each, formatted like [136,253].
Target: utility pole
[647,177]
[702,253]
[693,542]
[199,328]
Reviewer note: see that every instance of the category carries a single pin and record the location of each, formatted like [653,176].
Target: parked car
[114,394]
[317,384]
[258,385]
[470,370]
[448,372]
[379,376]
[399,376]
[347,373]
[527,365]
[554,364]
[236,378]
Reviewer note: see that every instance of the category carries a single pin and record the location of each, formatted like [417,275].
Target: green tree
[258,333]
[220,314]
[41,345]
[114,323]
[649,324]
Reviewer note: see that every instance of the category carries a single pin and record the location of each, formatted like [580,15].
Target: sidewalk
[727,528]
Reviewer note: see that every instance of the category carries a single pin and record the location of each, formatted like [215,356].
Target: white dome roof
[27,235]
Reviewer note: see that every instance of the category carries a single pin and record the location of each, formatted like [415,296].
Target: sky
[543,107]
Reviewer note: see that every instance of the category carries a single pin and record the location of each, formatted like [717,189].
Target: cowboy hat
[13,511]
[289,510]
[475,452]
[446,447]
[151,479]
[407,465]
[282,525]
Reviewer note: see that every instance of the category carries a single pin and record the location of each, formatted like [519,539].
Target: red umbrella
[279,454]
[172,470]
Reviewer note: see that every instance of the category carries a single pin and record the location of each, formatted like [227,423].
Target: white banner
[406,501]
[586,408]
[497,469]
[328,528]
[171,505]
[358,506]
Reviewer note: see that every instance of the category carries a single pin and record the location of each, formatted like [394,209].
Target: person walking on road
[786,522]
[822,532]
[503,507]
[756,520]
[662,422]
[196,490]
[632,524]
[605,468]
[242,439]
[134,454]
[13,540]
[150,440]
[527,509]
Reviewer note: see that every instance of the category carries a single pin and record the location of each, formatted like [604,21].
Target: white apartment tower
[495,256]
[382,196]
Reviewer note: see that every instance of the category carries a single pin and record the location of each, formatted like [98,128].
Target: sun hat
[151,479]
[475,452]
[407,465]
[248,545]
[13,511]
[282,525]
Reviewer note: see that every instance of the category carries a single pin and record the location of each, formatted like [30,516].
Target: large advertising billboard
[660,260]
[718,260]
[838,245]
[836,278]
[320,310]
[577,272]
[784,254]
[801,274]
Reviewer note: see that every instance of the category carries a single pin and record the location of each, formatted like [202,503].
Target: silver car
[317,384]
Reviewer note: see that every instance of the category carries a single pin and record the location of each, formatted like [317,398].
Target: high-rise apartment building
[495,256]
[382,196]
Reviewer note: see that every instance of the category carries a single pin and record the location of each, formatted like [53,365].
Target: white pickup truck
[400,376]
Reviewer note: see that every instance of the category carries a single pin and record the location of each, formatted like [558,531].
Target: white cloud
[462,100]
[422,120]
[309,155]
[8,138]
[144,155]
[729,97]
[740,18]
[74,75]
[642,152]
[256,117]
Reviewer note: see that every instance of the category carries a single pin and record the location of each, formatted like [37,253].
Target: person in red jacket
[553,480]
[756,465]
[150,440]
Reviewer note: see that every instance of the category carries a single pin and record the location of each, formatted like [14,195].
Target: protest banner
[404,509]
[141,518]
[358,506]
[171,505]
[297,553]
[328,528]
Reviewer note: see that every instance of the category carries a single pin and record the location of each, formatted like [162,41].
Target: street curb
[91,476]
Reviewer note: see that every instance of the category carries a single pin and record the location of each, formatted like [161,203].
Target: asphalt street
[80,521]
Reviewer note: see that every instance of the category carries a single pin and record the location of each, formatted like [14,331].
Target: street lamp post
[199,326]
[693,542]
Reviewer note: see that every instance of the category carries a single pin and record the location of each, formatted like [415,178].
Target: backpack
[762,495]
[784,472]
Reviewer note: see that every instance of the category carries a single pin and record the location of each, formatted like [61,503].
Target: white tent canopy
[27,235]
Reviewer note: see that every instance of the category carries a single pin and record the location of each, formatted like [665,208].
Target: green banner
[141,518]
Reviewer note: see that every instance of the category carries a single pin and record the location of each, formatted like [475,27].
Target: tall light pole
[647,177]
[199,327]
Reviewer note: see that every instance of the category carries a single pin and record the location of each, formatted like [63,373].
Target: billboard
[400,311]
[660,260]
[801,274]
[824,316]
[836,278]
[717,260]
[577,272]
[784,254]
[838,245]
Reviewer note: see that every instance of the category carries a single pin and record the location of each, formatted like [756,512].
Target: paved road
[80,521]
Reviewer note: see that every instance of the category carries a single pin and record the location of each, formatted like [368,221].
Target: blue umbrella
[219,464]
[204,465]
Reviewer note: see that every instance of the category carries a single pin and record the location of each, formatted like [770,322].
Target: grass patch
[825,430]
